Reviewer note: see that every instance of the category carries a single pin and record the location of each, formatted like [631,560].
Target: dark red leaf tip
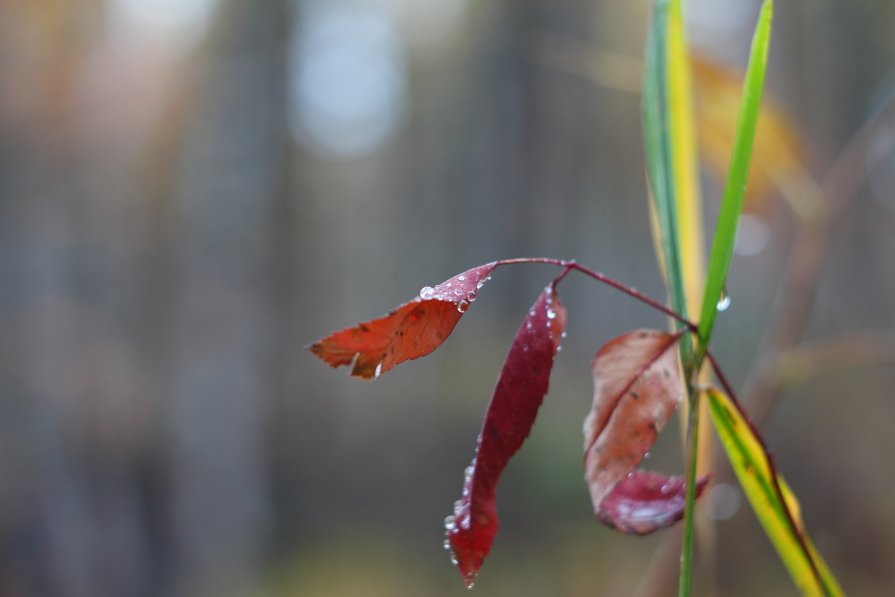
[644,502]
[462,289]
[520,390]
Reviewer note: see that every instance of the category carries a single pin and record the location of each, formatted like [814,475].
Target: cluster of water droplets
[461,517]
[462,297]
[562,336]
[551,314]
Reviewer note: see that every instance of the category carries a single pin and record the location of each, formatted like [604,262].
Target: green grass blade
[774,504]
[734,189]
[657,146]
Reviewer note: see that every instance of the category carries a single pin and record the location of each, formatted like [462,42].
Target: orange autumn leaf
[410,331]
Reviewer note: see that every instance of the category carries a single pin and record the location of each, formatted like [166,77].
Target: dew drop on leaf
[426,292]
[462,306]
[724,301]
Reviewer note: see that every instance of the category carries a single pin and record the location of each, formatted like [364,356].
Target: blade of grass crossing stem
[734,189]
[657,146]
[772,500]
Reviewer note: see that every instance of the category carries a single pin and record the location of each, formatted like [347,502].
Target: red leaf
[637,387]
[644,502]
[517,397]
[410,331]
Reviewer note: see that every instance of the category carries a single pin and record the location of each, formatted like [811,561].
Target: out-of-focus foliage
[779,155]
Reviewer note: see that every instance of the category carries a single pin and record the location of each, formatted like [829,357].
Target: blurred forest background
[192,191]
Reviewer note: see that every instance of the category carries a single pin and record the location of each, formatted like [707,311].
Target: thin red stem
[570,265]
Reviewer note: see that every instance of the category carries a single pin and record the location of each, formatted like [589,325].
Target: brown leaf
[637,387]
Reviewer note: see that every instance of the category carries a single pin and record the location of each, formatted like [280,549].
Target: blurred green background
[192,191]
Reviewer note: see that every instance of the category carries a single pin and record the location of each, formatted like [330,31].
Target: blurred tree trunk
[48,528]
[230,180]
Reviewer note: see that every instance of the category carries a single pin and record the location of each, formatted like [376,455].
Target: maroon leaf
[644,502]
[637,387]
[517,397]
[410,331]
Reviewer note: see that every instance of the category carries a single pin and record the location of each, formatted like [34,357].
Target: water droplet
[449,524]
[471,295]
[468,472]
[457,292]
[378,371]
[454,560]
[447,544]
[646,456]
[487,279]
[551,314]
[563,335]
[426,292]
[724,301]
[461,278]
[462,306]
[531,313]
[479,284]
[458,504]
[559,349]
